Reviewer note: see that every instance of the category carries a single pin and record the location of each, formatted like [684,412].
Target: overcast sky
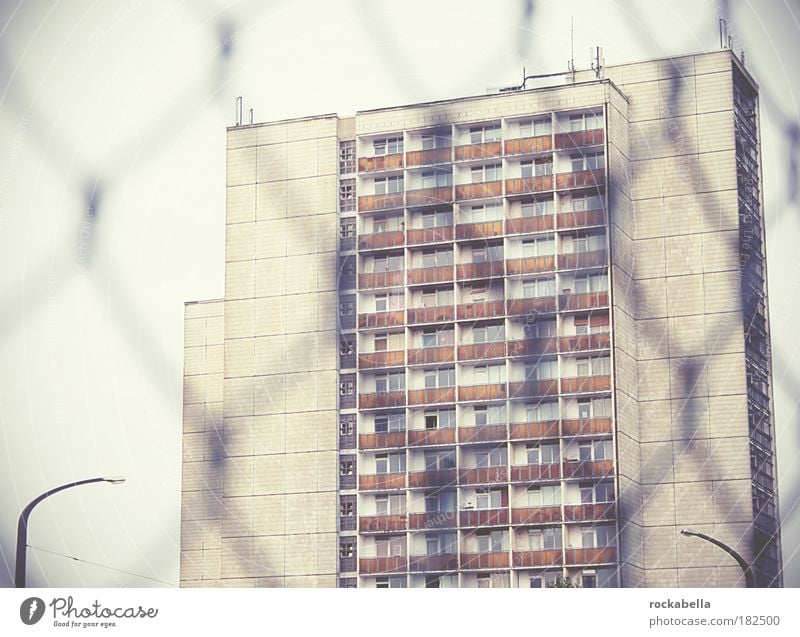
[112,174]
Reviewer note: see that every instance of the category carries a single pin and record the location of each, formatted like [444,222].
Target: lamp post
[22,525]
[748,574]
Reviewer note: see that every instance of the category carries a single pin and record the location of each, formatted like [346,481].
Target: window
[437,258]
[544,539]
[388,146]
[487,253]
[347,428]
[543,370]
[540,329]
[389,185]
[593,366]
[596,493]
[387,224]
[588,580]
[437,298]
[347,467]
[347,233]
[586,202]
[538,288]
[493,580]
[347,508]
[595,450]
[347,157]
[543,454]
[441,419]
[585,121]
[490,172]
[439,460]
[488,498]
[390,422]
[436,140]
[544,247]
[489,415]
[431,337]
[441,544]
[483,212]
[436,178]
[442,502]
[445,377]
[592,283]
[587,161]
[497,457]
[489,374]
[346,548]
[390,504]
[347,387]
[492,541]
[389,302]
[489,334]
[536,128]
[387,263]
[594,408]
[395,581]
[598,536]
[388,342]
[486,133]
[538,208]
[544,496]
[347,345]
[437,219]
[538,167]
[347,195]
[390,463]
[347,306]
[394,381]
[542,412]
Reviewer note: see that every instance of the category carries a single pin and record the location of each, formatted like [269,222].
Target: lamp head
[114,479]
[687,532]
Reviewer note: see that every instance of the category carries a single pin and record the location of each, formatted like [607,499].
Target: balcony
[483,475]
[599,555]
[484,517]
[588,468]
[371,565]
[576,260]
[577,139]
[431,314]
[581,179]
[368,203]
[581,218]
[432,478]
[480,230]
[429,196]
[383,440]
[532,347]
[432,520]
[488,150]
[380,279]
[482,270]
[381,319]
[416,236]
[431,396]
[585,342]
[528,145]
[380,162]
[423,355]
[484,309]
[423,437]
[496,391]
[381,359]
[497,559]
[482,351]
[481,190]
[588,512]
[483,433]
[534,430]
[529,185]
[581,384]
[583,301]
[441,274]
[422,563]
[532,305]
[535,472]
[534,388]
[524,225]
[382,481]
[429,157]
[529,265]
[536,515]
[534,559]
[378,523]
[378,240]
[586,426]
[383,399]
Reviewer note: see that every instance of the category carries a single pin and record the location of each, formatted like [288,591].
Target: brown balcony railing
[482,350]
[585,383]
[532,346]
[429,235]
[480,230]
[480,270]
[548,557]
[539,144]
[381,359]
[582,259]
[533,305]
[429,157]
[381,162]
[586,426]
[422,437]
[444,354]
[433,478]
[588,468]
[484,475]
[487,150]
[380,279]
[583,342]
[482,392]
[534,472]
[432,520]
[485,309]
[420,563]
[583,301]
[581,179]
[576,139]
[498,559]
[525,185]
[431,396]
[600,555]
[534,430]
[382,440]
[534,388]
[429,196]
[380,240]
[375,523]
[581,218]
[518,225]
[441,274]
[367,203]
[431,314]
[381,319]
[536,515]
[484,517]
[383,399]
[588,512]
[479,190]
[394,564]
[531,264]
[483,433]
[381,481]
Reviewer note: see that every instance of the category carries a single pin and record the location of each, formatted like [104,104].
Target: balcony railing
[480,190]
[383,399]
[380,240]
[581,218]
[525,145]
[484,517]
[382,440]
[381,359]
[498,559]
[380,279]
[444,354]
[585,384]
[531,264]
[482,351]
[382,481]
[433,478]
[519,225]
[367,203]
[431,314]
[581,179]
[381,162]
[429,157]
[588,512]
[535,472]
[584,342]
[536,515]
[528,559]
[588,468]
[376,523]
[431,396]
[432,520]
[600,555]
[534,388]
[532,305]
[494,391]
[422,437]
[586,426]
[484,309]
[486,150]
[583,301]
[483,475]
[576,260]
[441,274]
[526,185]
[421,563]
[370,565]
[416,236]
[480,230]
[534,430]
[576,139]
[429,196]
[480,270]
[483,433]
[381,319]
[532,347]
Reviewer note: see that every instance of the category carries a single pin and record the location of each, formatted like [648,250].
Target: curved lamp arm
[748,574]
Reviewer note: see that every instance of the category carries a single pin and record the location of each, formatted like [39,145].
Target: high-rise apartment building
[514,340]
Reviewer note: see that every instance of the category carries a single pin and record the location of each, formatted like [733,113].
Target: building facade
[515,340]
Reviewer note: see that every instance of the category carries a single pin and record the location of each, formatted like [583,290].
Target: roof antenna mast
[571,63]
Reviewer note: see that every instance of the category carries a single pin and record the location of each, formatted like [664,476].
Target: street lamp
[748,574]
[22,525]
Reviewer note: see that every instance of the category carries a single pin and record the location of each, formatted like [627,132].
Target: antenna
[251,115]
[723,34]
[571,63]
[597,62]
[239,111]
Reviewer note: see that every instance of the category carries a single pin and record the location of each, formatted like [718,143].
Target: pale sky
[130,100]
